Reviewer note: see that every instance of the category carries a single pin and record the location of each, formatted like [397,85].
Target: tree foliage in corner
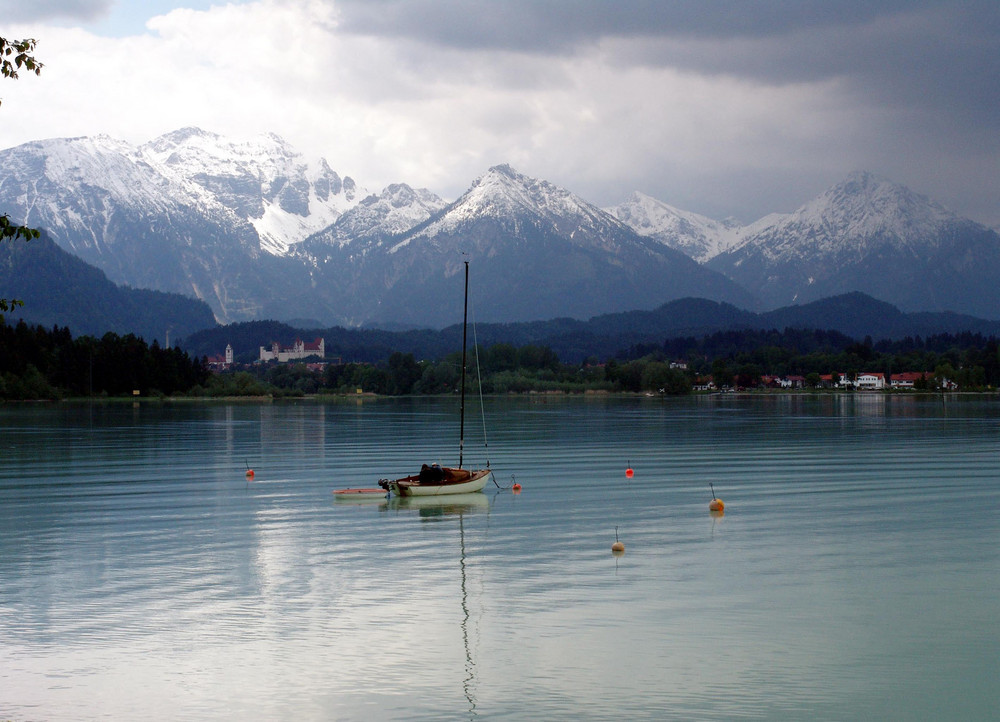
[15,56]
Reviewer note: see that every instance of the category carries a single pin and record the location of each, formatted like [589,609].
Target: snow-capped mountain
[859,215]
[503,195]
[98,199]
[538,250]
[394,211]
[698,236]
[190,212]
[871,235]
[263,180]
[257,231]
[65,184]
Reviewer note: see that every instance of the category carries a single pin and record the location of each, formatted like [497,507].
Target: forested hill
[837,321]
[59,289]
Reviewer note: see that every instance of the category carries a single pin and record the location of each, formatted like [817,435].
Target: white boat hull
[411,486]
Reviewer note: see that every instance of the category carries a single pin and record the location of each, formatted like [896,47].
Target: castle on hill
[298,350]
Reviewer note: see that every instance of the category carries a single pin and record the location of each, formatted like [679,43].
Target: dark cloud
[952,42]
[949,49]
[17,11]
[557,25]
[926,72]
[945,52]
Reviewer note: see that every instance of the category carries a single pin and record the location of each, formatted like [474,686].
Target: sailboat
[434,479]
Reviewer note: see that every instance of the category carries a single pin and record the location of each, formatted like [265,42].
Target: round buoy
[629,473]
[249,473]
[618,547]
[716,505]
[516,488]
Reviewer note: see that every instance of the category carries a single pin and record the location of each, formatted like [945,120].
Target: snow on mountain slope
[506,195]
[74,187]
[871,235]
[285,197]
[698,236]
[859,215]
[256,230]
[394,211]
[539,252]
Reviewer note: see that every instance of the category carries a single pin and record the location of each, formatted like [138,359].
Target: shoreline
[552,394]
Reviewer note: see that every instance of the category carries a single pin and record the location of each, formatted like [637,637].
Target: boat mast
[465,321]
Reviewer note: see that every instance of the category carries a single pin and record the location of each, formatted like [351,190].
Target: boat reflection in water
[439,507]
[446,508]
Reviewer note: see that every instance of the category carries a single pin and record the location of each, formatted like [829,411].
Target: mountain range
[865,234]
[257,231]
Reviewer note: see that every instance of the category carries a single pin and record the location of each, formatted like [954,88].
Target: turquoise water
[854,574]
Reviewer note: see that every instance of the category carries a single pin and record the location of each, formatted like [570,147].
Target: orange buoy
[249,474]
[716,504]
[629,473]
[618,547]
[514,487]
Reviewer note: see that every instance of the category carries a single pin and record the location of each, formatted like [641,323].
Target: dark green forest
[40,363]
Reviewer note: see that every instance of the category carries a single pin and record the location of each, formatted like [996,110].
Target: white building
[870,381]
[298,350]
[221,363]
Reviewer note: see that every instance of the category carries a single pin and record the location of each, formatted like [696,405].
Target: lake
[854,573]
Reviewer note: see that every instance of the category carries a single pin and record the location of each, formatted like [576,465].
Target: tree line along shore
[37,363]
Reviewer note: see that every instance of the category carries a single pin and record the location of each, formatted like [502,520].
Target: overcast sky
[723,107]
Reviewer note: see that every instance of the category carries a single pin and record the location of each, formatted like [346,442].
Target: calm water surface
[854,575]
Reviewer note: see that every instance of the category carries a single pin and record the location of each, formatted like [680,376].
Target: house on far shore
[870,381]
[298,350]
[783,382]
[703,383]
[221,363]
[907,379]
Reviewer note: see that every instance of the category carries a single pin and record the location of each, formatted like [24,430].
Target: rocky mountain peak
[262,179]
[505,208]
[871,235]
[865,206]
[395,210]
[695,235]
